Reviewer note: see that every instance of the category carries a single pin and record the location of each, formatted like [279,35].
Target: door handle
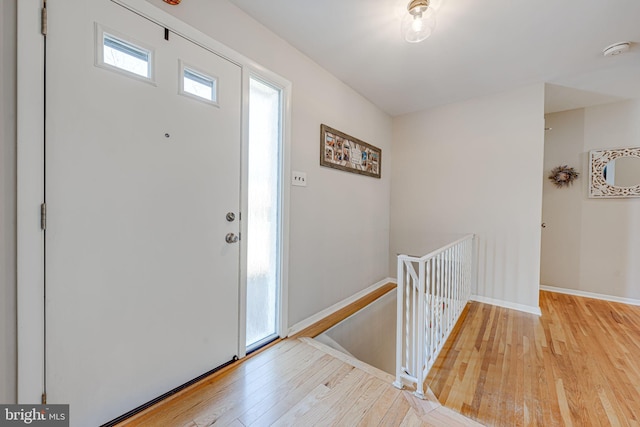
[231,238]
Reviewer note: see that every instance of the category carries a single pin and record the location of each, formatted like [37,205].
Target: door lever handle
[231,238]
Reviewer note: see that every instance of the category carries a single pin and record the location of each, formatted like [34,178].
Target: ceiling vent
[616,49]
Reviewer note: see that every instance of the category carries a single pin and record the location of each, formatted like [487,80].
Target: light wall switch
[298,178]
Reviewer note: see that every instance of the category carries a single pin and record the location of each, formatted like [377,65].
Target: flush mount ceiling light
[616,49]
[419,22]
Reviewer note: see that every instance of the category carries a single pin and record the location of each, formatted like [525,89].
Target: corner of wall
[506,304]
[8,303]
[498,141]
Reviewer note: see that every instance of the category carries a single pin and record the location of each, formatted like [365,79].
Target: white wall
[591,245]
[370,334]
[339,223]
[475,167]
[7,202]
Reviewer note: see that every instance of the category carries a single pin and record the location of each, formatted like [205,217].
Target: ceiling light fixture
[419,23]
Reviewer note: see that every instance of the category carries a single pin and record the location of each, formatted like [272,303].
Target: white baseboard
[507,304]
[335,307]
[593,295]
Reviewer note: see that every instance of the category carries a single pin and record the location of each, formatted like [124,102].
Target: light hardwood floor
[300,382]
[576,365]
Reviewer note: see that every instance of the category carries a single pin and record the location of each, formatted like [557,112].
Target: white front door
[141,285]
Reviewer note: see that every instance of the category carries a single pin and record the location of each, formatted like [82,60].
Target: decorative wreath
[563,176]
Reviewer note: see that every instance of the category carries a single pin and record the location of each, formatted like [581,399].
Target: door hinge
[44,398]
[43,18]
[43,216]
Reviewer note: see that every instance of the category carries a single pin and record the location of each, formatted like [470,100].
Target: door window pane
[199,85]
[263,246]
[125,56]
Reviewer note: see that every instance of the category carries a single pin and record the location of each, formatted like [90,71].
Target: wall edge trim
[337,306]
[594,295]
[507,304]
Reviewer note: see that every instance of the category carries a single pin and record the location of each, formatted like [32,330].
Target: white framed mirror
[614,173]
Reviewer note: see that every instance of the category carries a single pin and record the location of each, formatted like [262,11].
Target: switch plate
[298,178]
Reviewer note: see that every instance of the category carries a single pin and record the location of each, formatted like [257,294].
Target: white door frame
[30,181]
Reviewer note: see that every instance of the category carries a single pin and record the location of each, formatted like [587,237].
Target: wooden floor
[299,382]
[576,365]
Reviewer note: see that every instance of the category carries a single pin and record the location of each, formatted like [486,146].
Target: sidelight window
[264,215]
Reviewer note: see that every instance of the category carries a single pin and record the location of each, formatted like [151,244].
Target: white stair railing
[430,301]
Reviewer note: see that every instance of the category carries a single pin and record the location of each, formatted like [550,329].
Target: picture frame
[346,153]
